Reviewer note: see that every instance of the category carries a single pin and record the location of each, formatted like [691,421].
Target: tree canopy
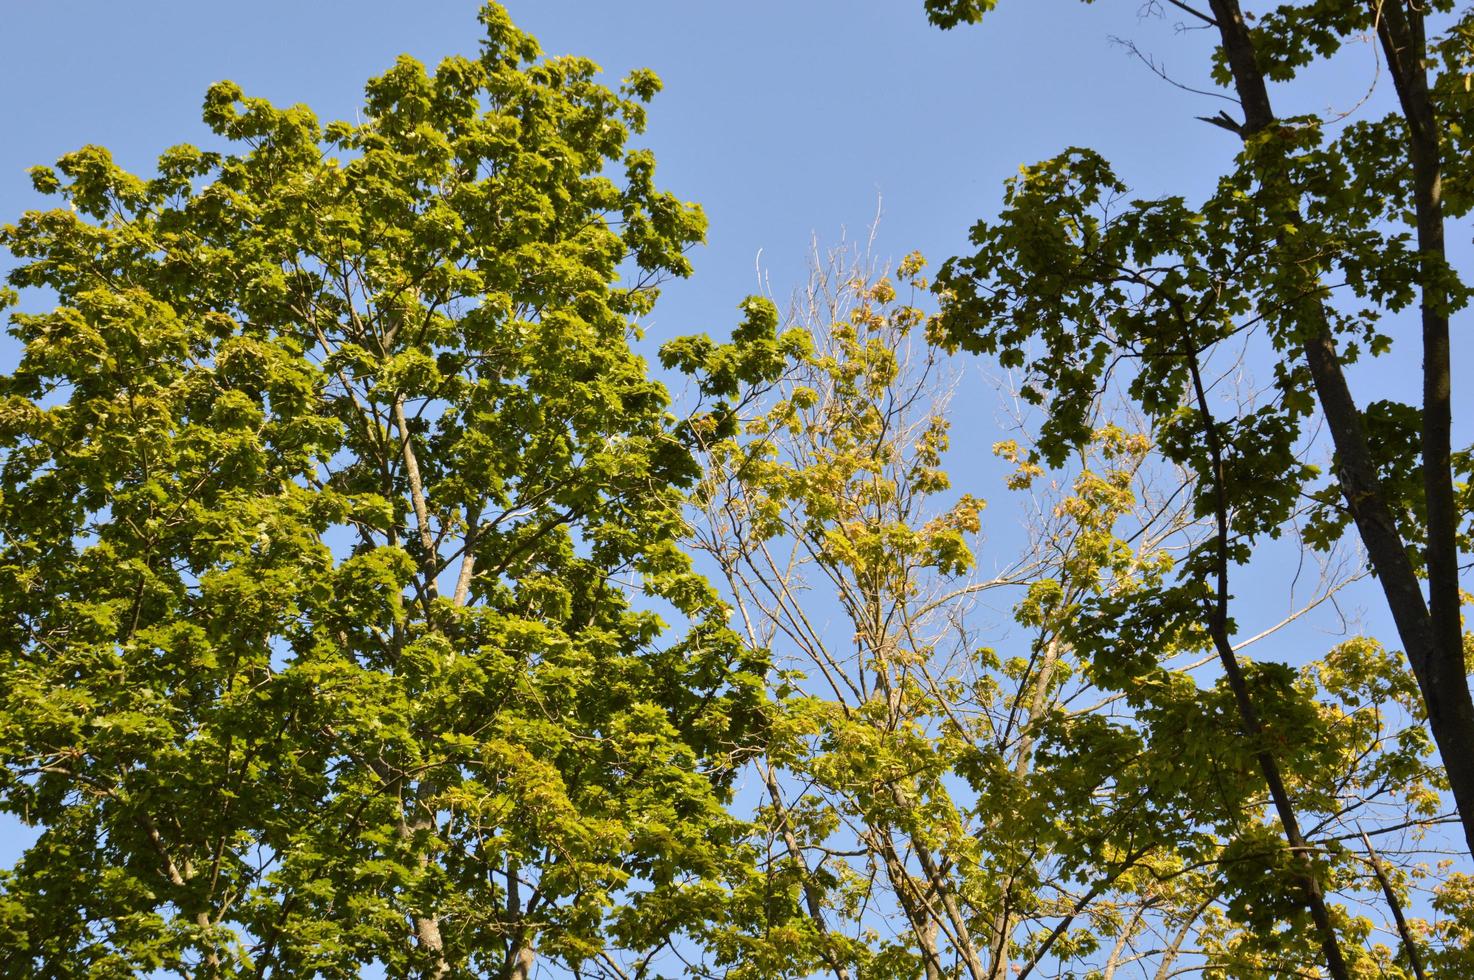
[1306,245]
[369,605]
[331,488]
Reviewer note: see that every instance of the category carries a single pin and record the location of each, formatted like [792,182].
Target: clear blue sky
[783,118]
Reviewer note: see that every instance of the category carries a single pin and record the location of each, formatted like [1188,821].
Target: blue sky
[781,118]
[785,119]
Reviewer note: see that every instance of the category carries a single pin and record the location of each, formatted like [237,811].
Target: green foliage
[1084,292]
[336,509]
[1087,791]
[321,488]
[947,14]
[1314,238]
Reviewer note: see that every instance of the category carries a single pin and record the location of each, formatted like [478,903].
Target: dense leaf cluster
[338,518]
[329,487]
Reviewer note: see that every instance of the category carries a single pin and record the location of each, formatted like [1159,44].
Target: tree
[1313,207]
[329,490]
[1307,243]
[944,795]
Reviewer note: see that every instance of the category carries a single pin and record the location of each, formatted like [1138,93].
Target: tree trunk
[1249,721]
[521,960]
[812,898]
[1446,688]
[1432,639]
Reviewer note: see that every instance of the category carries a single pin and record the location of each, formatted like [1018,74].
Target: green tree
[945,795]
[1303,214]
[329,490]
[1313,238]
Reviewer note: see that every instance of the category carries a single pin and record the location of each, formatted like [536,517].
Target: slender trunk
[812,898]
[933,962]
[521,960]
[1438,667]
[520,954]
[999,929]
[1254,730]
[427,927]
[428,558]
[1403,931]
[935,878]
[1081,904]
[210,965]
[1123,940]
[468,558]
[1174,948]
[940,886]
[913,904]
[1003,923]
[179,878]
[1433,640]
[427,934]
[1249,721]
[1450,708]
[1244,65]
